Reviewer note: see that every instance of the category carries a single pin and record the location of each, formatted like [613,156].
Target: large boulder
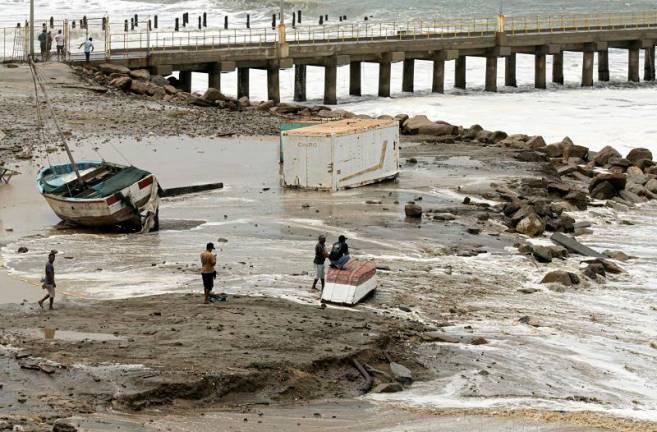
[212,95]
[637,154]
[140,74]
[618,181]
[604,191]
[413,210]
[603,156]
[553,150]
[159,80]
[110,68]
[437,129]
[122,82]
[535,142]
[170,90]
[139,86]
[401,373]
[652,185]
[413,124]
[561,277]
[531,225]
[578,198]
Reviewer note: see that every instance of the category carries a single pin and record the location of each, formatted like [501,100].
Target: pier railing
[109,41]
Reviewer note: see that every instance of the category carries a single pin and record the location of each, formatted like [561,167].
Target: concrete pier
[587,69]
[557,68]
[408,79]
[355,78]
[539,71]
[510,71]
[300,83]
[185,78]
[491,74]
[603,65]
[649,64]
[214,76]
[242,82]
[438,79]
[330,83]
[460,72]
[633,64]
[273,84]
[385,69]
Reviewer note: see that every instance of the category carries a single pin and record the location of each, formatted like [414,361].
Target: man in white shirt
[59,40]
[88,48]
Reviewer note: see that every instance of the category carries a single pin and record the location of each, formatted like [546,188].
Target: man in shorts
[208,273]
[49,281]
[320,259]
[59,40]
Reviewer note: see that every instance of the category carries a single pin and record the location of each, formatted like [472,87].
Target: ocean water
[593,351]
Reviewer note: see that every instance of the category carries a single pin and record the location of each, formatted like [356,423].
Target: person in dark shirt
[320,259]
[49,281]
[339,255]
[43,44]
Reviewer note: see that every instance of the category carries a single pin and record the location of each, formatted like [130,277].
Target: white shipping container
[341,154]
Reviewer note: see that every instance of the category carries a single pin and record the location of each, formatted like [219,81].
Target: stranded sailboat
[97,193]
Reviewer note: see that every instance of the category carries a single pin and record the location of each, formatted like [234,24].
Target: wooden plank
[574,246]
[184,190]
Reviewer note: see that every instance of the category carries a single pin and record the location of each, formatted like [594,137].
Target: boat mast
[73,164]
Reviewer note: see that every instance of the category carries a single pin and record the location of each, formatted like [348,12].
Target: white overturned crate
[341,154]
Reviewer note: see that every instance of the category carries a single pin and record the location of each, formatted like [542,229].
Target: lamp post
[31,29]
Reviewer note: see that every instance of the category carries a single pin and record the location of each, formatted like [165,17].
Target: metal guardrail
[113,43]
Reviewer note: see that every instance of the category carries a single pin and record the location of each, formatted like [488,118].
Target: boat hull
[351,285]
[96,213]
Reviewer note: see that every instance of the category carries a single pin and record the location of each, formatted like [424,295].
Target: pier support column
[649,64]
[273,85]
[491,74]
[330,84]
[355,78]
[242,82]
[557,68]
[633,64]
[185,79]
[603,65]
[299,83]
[214,76]
[510,71]
[385,69]
[438,82]
[587,69]
[459,72]
[408,79]
[539,71]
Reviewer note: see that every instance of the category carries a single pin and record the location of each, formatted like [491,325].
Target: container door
[318,162]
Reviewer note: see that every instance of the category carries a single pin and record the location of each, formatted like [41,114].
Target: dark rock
[535,142]
[63,425]
[401,373]
[637,154]
[388,388]
[616,255]
[22,250]
[212,95]
[444,217]
[467,200]
[413,210]
[542,254]
[604,155]
[479,341]
[594,269]
[618,181]
[498,136]
[578,198]
[532,225]
[604,191]
[528,290]
[122,82]
[529,321]
[474,230]
[561,277]
[529,156]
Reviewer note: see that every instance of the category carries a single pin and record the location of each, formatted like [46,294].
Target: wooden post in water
[557,68]
[460,72]
[299,83]
[603,65]
[355,78]
[633,64]
[491,74]
[438,76]
[186,81]
[385,69]
[242,82]
[408,77]
[539,70]
[510,71]
[649,64]
[273,84]
[587,68]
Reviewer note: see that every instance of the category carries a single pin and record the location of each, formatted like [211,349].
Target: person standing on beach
[49,46]
[208,272]
[339,255]
[43,44]
[88,48]
[49,281]
[59,41]
[320,259]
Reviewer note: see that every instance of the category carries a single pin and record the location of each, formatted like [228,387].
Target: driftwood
[574,246]
[184,190]
[368,378]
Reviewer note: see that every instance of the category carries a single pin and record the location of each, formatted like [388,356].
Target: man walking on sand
[320,259]
[49,281]
[208,273]
[88,48]
[59,40]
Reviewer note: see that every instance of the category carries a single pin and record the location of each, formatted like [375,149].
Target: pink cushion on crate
[355,273]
